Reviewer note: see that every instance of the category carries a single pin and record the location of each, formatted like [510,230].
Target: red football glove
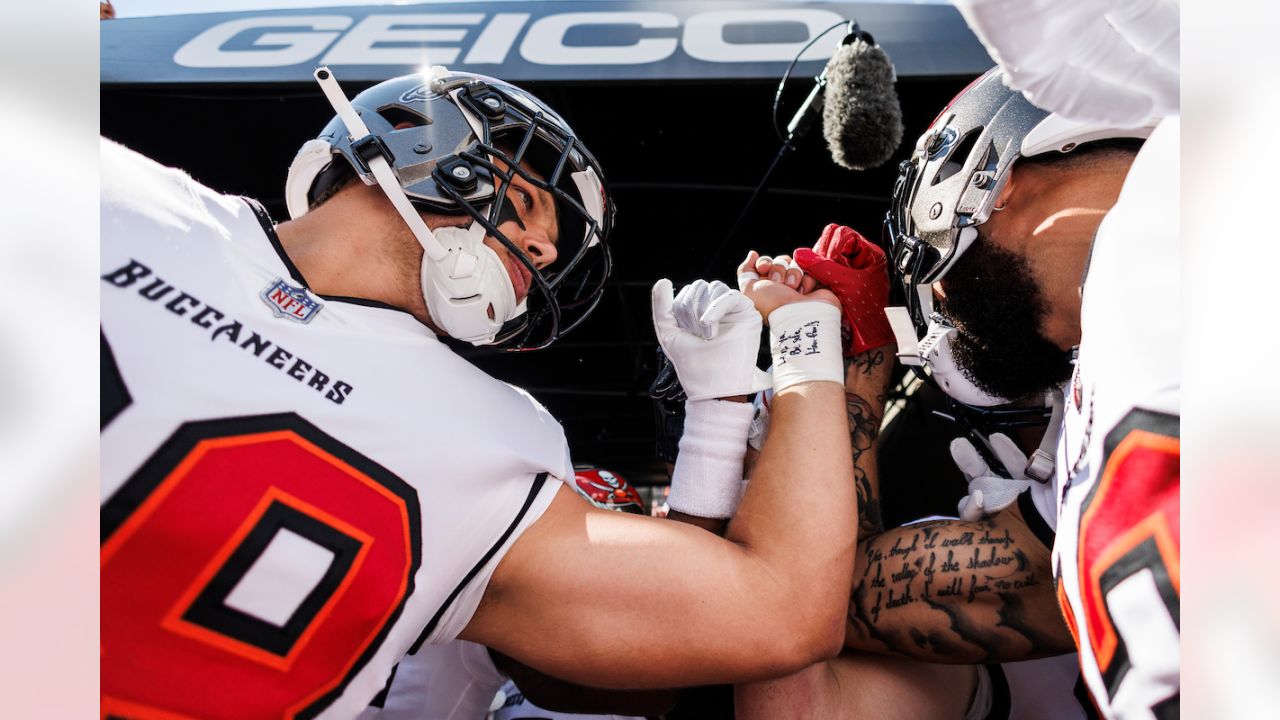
[854,268]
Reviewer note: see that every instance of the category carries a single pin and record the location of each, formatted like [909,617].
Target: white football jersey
[1118,544]
[296,489]
[451,681]
[1047,688]
[1042,689]
[516,707]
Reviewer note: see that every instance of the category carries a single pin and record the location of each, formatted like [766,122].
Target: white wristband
[707,480]
[804,339]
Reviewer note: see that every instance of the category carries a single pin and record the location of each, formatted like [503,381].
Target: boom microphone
[861,116]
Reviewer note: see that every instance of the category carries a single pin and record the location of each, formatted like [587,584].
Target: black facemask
[992,299]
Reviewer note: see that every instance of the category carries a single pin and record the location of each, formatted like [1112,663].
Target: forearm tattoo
[952,591]
[864,426]
[867,362]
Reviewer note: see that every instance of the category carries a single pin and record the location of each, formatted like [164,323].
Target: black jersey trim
[538,482]
[1034,520]
[269,227]
[1161,423]
[1001,701]
[380,700]
[211,610]
[1168,709]
[114,395]
[364,302]
[1082,696]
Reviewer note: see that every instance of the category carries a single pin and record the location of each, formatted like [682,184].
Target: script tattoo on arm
[957,592]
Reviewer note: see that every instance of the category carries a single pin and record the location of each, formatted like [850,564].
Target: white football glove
[711,335]
[692,304]
[988,492]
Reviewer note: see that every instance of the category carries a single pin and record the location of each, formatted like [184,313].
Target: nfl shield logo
[291,302]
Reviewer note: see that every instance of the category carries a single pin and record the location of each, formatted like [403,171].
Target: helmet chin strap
[465,285]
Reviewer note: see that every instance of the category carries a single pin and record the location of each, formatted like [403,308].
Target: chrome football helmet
[946,190]
[444,142]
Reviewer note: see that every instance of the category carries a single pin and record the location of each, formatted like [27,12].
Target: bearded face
[993,300]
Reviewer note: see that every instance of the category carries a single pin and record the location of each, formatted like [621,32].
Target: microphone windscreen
[861,116]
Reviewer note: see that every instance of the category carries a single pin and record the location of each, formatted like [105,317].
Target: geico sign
[440,39]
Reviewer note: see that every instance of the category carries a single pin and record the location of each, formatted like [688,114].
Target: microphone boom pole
[799,126]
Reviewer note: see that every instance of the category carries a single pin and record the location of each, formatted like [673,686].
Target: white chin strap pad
[468,291]
[935,351]
[312,158]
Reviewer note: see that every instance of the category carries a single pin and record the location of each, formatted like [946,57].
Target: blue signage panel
[636,41]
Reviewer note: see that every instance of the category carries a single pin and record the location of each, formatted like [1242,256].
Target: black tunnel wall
[681,160]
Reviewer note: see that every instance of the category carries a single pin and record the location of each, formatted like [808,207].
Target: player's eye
[525,198]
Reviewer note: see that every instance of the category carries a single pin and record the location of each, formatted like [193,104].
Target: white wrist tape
[804,339]
[707,480]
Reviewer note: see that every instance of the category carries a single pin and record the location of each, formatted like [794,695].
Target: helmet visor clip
[369,147]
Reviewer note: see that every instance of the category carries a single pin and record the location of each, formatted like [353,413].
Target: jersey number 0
[1129,565]
[249,569]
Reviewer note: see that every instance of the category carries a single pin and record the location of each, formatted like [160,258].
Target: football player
[301,483]
[1039,253]
[1118,550]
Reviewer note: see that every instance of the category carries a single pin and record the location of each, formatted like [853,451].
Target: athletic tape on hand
[804,339]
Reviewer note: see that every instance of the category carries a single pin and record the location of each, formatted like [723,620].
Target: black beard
[992,299]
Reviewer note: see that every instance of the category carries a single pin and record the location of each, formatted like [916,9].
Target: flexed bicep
[958,592]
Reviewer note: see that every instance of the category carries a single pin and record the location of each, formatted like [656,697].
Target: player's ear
[1006,192]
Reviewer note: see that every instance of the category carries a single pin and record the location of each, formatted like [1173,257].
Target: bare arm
[581,593]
